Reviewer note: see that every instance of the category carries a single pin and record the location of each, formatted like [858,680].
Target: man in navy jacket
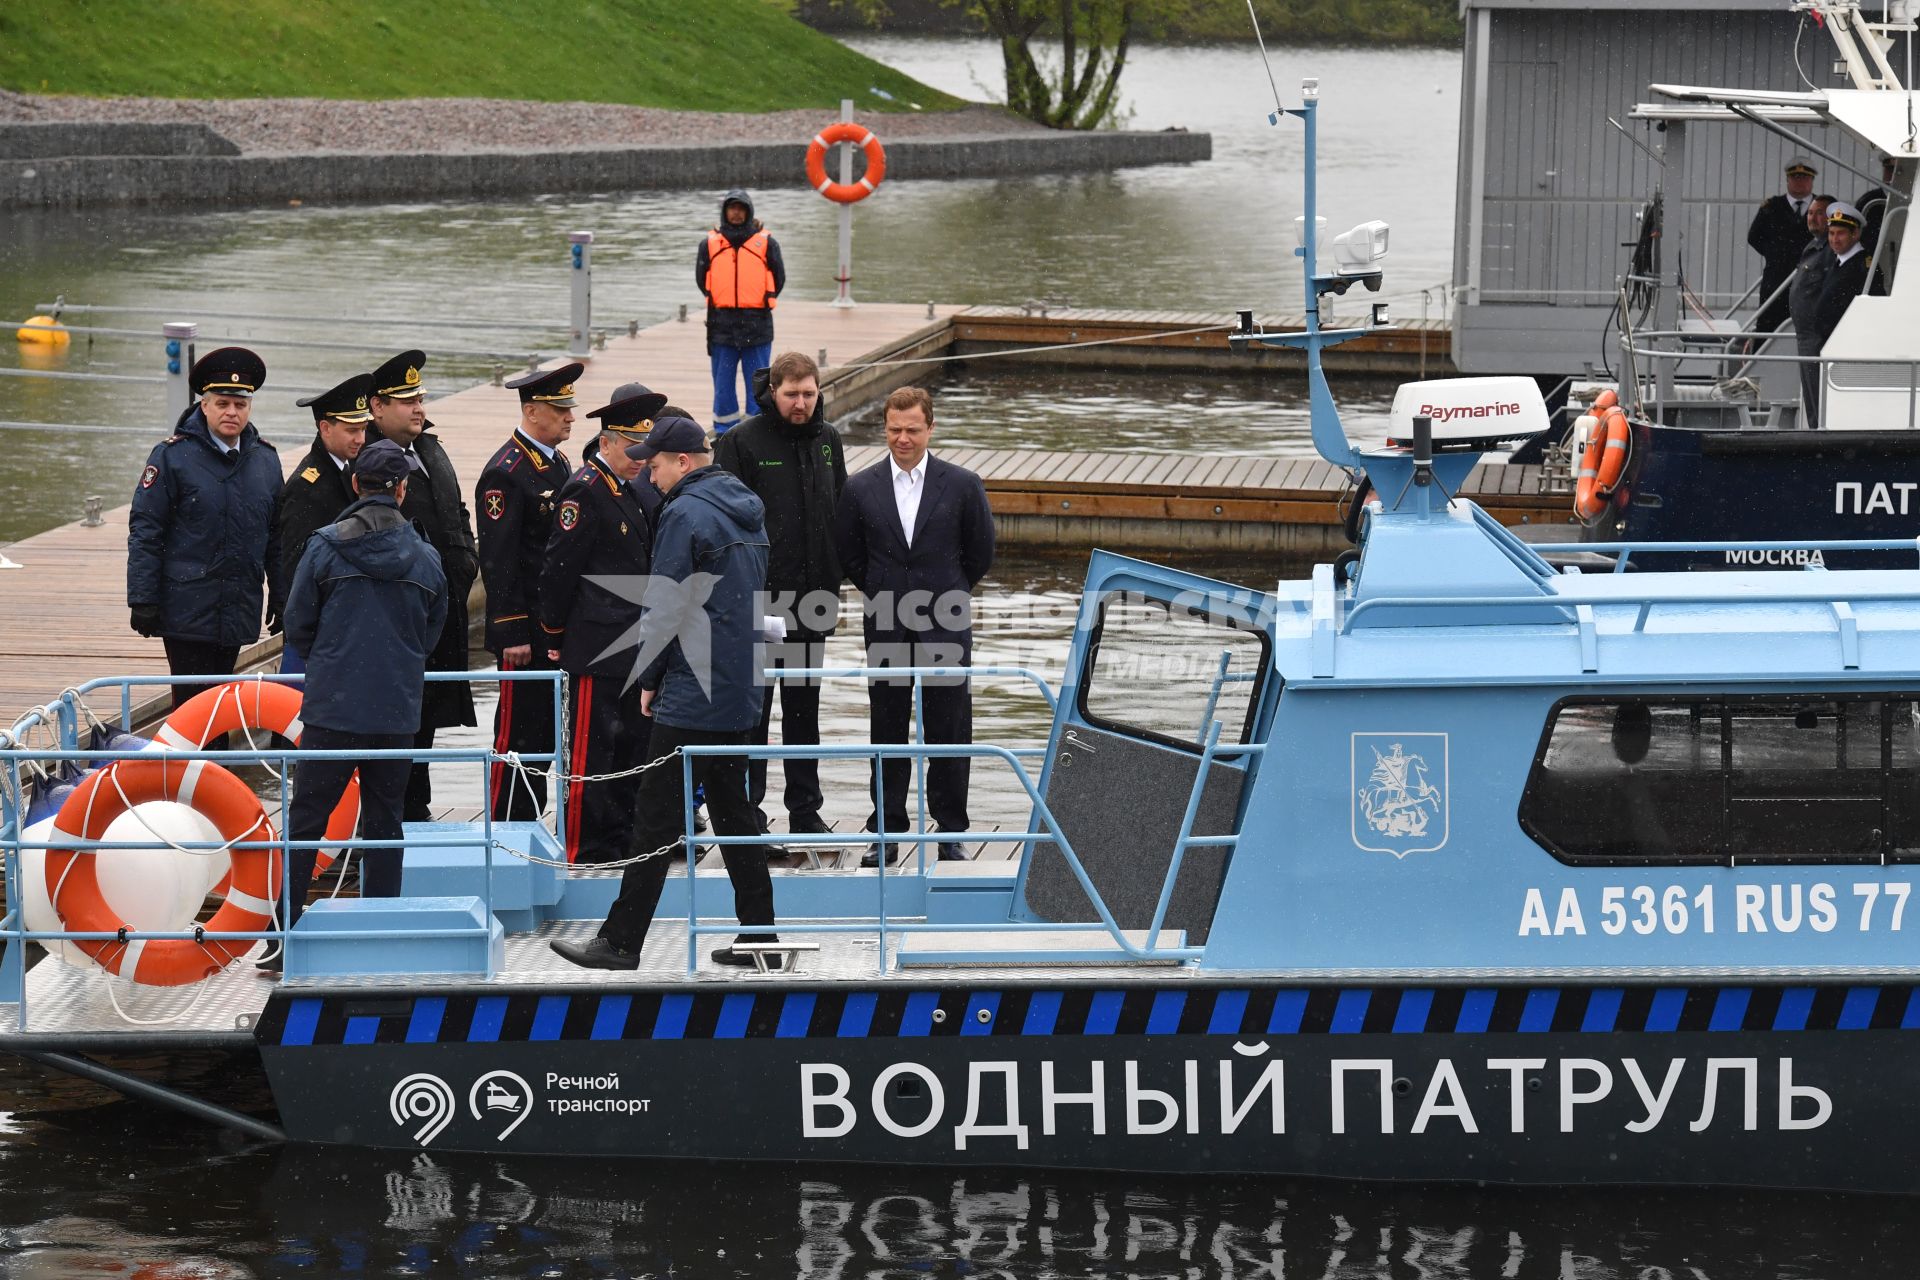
[203,532]
[915,535]
[366,607]
[697,669]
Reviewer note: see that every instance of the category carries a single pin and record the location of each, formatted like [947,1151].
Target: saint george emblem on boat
[1400,797]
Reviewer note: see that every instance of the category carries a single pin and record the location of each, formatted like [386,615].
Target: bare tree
[1082,92]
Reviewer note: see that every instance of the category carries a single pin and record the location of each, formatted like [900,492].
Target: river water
[93,1186]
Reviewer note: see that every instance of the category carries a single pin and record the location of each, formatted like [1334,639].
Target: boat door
[1158,655]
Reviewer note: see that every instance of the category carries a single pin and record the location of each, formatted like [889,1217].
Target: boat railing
[61,721]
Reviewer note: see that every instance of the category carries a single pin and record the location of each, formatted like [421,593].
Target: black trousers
[197,658]
[419,801]
[947,710]
[317,788]
[799,724]
[657,821]
[523,722]
[605,734]
[1810,386]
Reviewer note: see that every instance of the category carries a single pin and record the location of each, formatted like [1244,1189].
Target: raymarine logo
[422,1097]
[1447,413]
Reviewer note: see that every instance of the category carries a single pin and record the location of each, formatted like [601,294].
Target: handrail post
[693,861]
[880,843]
[1213,694]
[177,338]
[580,337]
[920,773]
[1186,832]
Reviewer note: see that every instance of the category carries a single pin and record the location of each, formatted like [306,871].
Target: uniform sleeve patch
[569,514]
[494,502]
[148,476]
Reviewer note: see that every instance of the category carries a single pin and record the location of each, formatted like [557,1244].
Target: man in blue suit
[915,535]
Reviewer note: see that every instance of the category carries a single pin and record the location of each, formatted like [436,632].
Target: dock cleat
[744,959]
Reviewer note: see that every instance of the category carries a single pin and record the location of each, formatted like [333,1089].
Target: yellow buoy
[42,331]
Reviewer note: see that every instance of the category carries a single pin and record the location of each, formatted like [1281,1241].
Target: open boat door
[1169,674]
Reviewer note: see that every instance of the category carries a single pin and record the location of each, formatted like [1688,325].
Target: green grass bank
[694,55]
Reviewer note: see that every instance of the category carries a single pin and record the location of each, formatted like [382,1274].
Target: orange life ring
[860,136]
[209,790]
[1604,462]
[256,704]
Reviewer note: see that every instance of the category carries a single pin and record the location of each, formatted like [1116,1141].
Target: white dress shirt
[908,487]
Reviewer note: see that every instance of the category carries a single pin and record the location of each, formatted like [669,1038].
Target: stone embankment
[58,152]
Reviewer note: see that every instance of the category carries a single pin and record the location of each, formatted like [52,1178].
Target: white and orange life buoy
[208,789]
[1605,459]
[846,192]
[256,704]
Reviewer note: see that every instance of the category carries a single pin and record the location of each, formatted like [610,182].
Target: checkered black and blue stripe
[902,1012]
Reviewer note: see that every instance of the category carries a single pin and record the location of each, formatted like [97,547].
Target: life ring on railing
[1604,462]
[256,704]
[860,136]
[209,790]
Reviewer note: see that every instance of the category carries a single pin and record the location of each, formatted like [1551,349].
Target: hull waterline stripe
[1162,1010]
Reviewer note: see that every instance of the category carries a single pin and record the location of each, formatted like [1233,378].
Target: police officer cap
[399,378]
[670,435]
[230,371]
[1842,214]
[345,403]
[548,386]
[382,465]
[1799,166]
[631,411]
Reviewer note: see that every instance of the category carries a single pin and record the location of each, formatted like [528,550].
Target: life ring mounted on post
[1604,463]
[846,192]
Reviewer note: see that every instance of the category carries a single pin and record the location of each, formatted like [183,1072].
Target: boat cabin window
[1162,670]
[1728,780]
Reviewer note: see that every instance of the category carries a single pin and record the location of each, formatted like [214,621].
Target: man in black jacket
[365,605]
[792,459]
[1847,265]
[516,496]
[590,591]
[319,490]
[434,502]
[1803,304]
[203,533]
[1778,233]
[915,535]
[739,269]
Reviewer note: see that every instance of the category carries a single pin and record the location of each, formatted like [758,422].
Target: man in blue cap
[697,668]
[365,608]
[203,531]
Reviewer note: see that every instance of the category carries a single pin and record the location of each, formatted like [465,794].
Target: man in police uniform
[515,501]
[434,502]
[1848,264]
[203,533]
[590,622]
[1778,234]
[318,491]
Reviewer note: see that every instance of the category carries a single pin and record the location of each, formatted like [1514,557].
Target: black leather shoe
[951,851]
[872,858]
[595,953]
[808,824]
[745,959]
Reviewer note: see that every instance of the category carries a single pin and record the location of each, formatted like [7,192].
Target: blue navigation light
[173,366]
[173,346]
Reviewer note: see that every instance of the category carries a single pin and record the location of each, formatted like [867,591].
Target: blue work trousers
[726,400]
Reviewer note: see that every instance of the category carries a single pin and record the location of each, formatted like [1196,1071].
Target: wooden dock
[63,615]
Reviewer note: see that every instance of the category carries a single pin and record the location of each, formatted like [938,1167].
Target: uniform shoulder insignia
[494,503]
[310,475]
[148,476]
[569,514]
[173,440]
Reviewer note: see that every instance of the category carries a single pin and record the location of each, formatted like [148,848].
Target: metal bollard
[633,328]
[92,518]
[823,358]
[930,309]
[683,313]
[599,339]
[499,374]
[580,346]
[179,336]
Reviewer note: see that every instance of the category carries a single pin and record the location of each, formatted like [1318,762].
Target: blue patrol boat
[1441,864]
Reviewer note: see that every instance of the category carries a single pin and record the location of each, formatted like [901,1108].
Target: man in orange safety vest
[740,271]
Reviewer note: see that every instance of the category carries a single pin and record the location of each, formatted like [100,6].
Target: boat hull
[1715,486]
[1674,1084]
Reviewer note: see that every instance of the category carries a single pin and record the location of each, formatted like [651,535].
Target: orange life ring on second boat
[256,704]
[204,787]
[860,136]
[1604,462]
